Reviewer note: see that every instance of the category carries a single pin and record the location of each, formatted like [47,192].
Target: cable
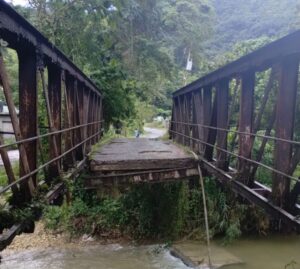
[241,157]
[6,188]
[48,134]
[242,133]
[205,212]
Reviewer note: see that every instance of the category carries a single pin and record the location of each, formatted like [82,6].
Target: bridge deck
[136,160]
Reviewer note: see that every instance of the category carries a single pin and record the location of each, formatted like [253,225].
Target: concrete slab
[194,254]
[139,154]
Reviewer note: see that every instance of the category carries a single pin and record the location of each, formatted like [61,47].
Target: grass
[10,140]
[3,176]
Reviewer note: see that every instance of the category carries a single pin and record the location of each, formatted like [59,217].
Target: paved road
[13,155]
[153,132]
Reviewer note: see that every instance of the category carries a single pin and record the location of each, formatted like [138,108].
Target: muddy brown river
[94,257]
[278,252]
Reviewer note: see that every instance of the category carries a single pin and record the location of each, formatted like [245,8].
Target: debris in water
[194,254]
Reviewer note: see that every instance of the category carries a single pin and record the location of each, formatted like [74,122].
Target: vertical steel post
[69,100]
[101,124]
[54,94]
[177,119]
[211,133]
[207,111]
[28,112]
[78,114]
[181,117]
[246,126]
[222,92]
[188,119]
[197,108]
[284,129]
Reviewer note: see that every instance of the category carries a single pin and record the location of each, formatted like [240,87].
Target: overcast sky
[18,2]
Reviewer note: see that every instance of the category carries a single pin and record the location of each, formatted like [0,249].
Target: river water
[270,253]
[94,257]
[276,252]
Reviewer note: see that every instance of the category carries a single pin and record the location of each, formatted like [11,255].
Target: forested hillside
[137,50]
[238,20]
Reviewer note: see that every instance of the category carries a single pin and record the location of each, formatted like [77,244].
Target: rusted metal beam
[8,169]
[97,116]
[94,113]
[17,31]
[29,187]
[198,131]
[8,237]
[89,119]
[78,119]
[187,119]
[101,113]
[211,133]
[222,93]
[101,116]
[55,192]
[153,176]
[284,128]
[182,117]
[246,125]
[172,122]
[68,89]
[233,100]
[251,195]
[49,95]
[177,118]
[54,91]
[258,60]
[264,101]
[28,119]
[207,110]
[261,150]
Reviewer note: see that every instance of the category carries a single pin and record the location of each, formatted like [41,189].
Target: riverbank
[43,238]
[274,252]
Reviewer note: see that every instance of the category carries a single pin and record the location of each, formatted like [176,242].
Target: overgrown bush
[156,211]
[9,217]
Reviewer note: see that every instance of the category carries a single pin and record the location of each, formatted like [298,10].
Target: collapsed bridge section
[139,160]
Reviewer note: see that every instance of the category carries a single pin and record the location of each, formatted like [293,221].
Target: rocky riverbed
[43,238]
[40,239]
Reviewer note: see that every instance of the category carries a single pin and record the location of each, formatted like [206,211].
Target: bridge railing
[244,127]
[50,87]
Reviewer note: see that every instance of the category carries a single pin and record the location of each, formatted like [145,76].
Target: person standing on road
[136,133]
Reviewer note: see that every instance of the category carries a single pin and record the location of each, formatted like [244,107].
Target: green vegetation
[159,211]
[26,215]
[136,52]
[3,176]
[239,20]
[156,124]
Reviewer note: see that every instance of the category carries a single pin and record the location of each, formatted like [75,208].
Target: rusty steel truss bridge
[240,129]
